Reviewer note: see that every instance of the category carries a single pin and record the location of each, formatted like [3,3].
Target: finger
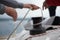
[35,7]
[46,7]
[13,14]
[29,6]
[15,17]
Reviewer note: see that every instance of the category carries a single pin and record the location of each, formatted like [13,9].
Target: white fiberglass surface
[7,25]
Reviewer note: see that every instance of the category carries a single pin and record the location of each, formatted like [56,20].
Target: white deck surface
[49,35]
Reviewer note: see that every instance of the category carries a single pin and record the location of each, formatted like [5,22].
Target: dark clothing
[52,10]
[53,2]
[10,3]
[52,6]
[2,8]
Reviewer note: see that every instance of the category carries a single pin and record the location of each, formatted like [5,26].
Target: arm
[12,3]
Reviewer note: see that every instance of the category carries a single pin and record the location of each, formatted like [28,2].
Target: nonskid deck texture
[49,35]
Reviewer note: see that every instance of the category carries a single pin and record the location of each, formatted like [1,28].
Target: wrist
[26,6]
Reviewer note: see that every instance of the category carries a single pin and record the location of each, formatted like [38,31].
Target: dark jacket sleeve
[2,8]
[12,3]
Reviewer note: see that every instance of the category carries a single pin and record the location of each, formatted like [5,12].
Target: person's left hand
[31,6]
[45,5]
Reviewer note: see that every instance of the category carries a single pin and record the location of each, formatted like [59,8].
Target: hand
[45,5]
[11,12]
[31,6]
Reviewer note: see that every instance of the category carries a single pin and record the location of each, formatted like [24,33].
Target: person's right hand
[31,6]
[11,12]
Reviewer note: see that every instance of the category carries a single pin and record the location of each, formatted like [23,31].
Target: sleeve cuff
[20,5]
[2,9]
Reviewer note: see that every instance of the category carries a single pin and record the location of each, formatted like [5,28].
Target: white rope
[18,25]
[22,21]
